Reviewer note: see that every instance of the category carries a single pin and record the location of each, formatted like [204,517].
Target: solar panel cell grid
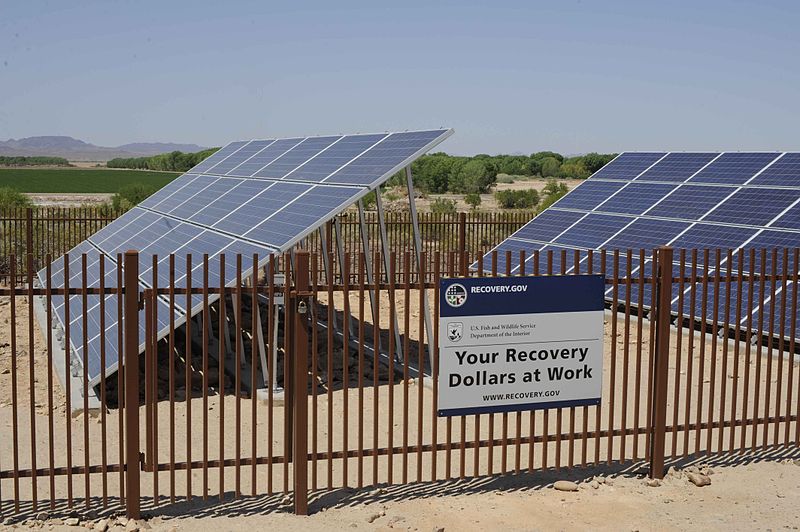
[217,157]
[627,166]
[295,157]
[785,172]
[734,168]
[677,167]
[593,230]
[689,202]
[335,157]
[548,225]
[636,198]
[588,195]
[753,206]
[709,236]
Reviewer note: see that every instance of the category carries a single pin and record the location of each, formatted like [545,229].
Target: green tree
[595,161]
[473,199]
[550,167]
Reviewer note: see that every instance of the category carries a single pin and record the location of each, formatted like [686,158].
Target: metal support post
[661,365]
[373,298]
[131,363]
[340,251]
[386,263]
[300,388]
[418,248]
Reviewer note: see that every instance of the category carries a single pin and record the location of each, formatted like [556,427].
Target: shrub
[129,196]
[11,198]
[517,199]
[473,199]
[443,206]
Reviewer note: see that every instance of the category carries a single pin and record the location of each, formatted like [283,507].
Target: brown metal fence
[56,230]
[45,230]
[343,414]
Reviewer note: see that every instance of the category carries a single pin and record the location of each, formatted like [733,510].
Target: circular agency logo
[455,295]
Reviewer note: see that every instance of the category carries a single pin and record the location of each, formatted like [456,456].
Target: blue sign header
[480,296]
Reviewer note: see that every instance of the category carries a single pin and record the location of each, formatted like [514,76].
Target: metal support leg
[386,265]
[418,248]
[373,299]
[328,270]
[340,251]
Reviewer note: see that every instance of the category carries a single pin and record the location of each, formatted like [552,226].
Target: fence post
[131,328]
[661,362]
[29,231]
[300,359]
[462,239]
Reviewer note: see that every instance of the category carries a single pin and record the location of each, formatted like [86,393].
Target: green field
[79,180]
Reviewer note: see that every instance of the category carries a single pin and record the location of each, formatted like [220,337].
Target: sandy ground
[69,200]
[754,490]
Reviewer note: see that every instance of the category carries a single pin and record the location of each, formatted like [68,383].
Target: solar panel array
[685,200]
[250,197]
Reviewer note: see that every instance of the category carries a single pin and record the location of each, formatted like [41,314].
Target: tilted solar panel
[250,197]
[715,201]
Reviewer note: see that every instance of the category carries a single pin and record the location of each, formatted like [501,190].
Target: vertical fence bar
[661,364]
[131,325]
[300,359]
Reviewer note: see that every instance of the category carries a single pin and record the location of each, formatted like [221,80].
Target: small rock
[6,371]
[653,482]
[42,516]
[601,480]
[707,471]
[609,481]
[132,526]
[438,529]
[674,472]
[373,517]
[72,521]
[594,484]
[698,480]
[56,522]
[101,525]
[395,519]
[565,485]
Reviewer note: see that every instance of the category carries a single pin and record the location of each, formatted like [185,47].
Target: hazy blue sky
[572,76]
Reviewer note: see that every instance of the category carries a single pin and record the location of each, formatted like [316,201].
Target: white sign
[520,343]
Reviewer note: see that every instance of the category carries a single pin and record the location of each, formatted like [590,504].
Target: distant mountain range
[78,150]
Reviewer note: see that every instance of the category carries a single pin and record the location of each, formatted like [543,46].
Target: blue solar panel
[235,159]
[269,153]
[677,167]
[385,157]
[593,230]
[250,211]
[295,157]
[203,197]
[702,236]
[548,225]
[753,206]
[219,208]
[335,157]
[636,198]
[785,172]
[182,194]
[646,233]
[588,195]
[771,240]
[790,219]
[217,157]
[733,168]
[627,166]
[257,209]
[312,208]
[238,158]
[169,189]
[689,202]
